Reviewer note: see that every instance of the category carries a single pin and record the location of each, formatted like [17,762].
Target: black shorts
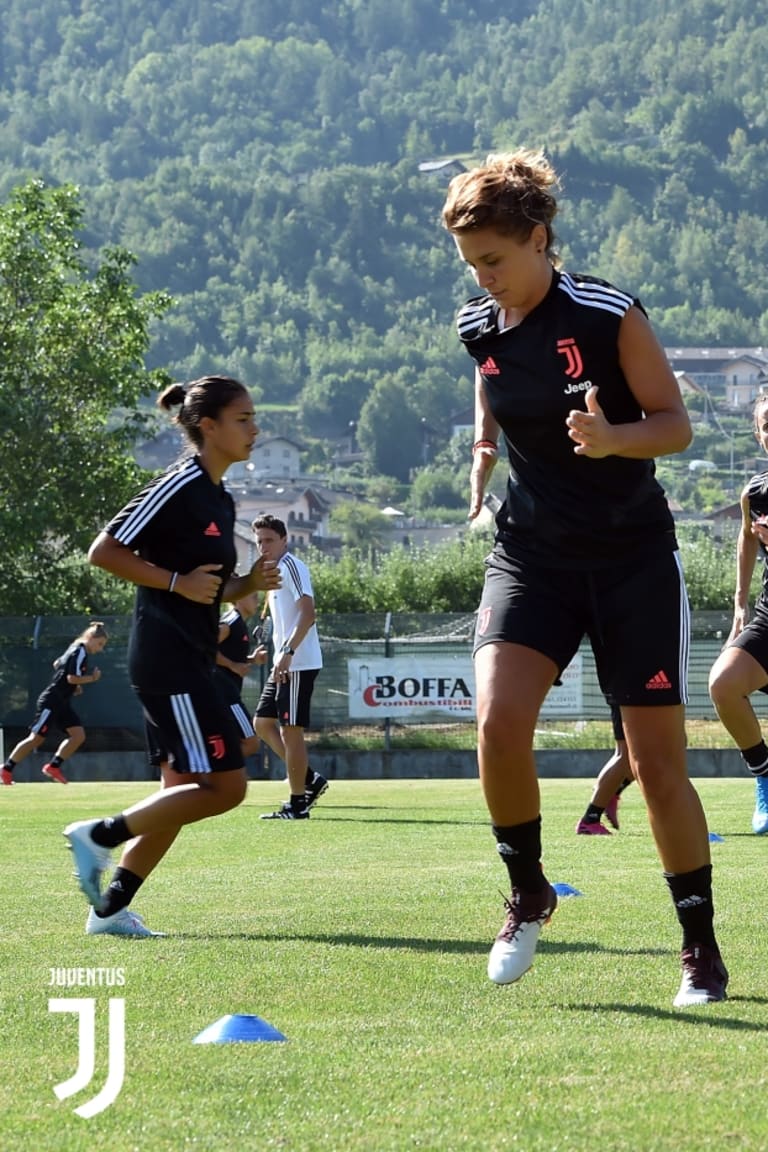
[636,617]
[230,688]
[196,731]
[754,640]
[53,712]
[288,702]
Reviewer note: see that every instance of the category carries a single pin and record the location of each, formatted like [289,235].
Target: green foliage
[71,377]
[262,161]
[449,577]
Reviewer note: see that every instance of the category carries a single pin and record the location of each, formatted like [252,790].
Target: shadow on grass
[418,943]
[682,1015]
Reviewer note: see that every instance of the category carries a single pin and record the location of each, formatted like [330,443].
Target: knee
[723,685]
[659,781]
[499,733]
[261,727]
[235,790]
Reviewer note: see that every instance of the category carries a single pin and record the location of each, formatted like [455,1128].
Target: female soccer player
[569,371]
[175,541]
[54,705]
[742,666]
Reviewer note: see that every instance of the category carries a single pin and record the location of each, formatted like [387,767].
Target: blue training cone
[715,839]
[566,890]
[238,1029]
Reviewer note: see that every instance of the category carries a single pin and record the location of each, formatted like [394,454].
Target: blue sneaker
[91,860]
[760,815]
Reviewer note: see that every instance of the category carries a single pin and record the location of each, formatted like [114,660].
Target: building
[303,508]
[733,376]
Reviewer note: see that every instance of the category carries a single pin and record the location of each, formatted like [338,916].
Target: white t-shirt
[283,608]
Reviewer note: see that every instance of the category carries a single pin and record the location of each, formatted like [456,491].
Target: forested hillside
[261,160]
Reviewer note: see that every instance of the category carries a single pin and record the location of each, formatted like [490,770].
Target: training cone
[715,839]
[566,890]
[238,1029]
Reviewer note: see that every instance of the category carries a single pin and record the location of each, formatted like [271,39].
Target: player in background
[283,711]
[234,661]
[613,778]
[54,705]
[742,666]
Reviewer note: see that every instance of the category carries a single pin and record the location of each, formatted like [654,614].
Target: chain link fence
[112,716]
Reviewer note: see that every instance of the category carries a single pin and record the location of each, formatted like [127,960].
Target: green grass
[362,935]
[559,733]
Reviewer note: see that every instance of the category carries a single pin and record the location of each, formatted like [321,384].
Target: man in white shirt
[283,711]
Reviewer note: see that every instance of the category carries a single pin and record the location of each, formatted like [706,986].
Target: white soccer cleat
[122,923]
[515,947]
[91,859]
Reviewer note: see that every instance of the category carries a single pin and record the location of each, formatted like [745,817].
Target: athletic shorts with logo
[196,730]
[754,639]
[288,702]
[636,617]
[53,712]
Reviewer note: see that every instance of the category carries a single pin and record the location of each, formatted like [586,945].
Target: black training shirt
[564,510]
[179,521]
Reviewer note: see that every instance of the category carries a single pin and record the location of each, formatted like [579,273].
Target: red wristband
[490,444]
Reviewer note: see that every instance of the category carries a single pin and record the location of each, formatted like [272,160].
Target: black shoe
[314,791]
[705,977]
[287,812]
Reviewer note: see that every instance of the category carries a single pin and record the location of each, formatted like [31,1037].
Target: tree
[361,527]
[73,340]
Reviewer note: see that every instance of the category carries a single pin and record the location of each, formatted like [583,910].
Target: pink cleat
[596,829]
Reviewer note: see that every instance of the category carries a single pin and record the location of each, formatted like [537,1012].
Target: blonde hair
[94,631]
[509,193]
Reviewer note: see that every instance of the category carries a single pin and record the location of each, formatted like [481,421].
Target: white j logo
[86,1010]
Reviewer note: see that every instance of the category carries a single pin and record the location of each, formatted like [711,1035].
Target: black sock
[9,765]
[624,784]
[692,896]
[299,802]
[56,761]
[309,777]
[756,758]
[111,832]
[593,814]
[520,848]
[122,888]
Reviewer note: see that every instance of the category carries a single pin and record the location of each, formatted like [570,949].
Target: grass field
[362,935]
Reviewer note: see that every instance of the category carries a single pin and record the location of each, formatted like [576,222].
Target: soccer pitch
[362,936]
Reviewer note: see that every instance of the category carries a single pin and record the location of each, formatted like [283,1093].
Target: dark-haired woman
[175,541]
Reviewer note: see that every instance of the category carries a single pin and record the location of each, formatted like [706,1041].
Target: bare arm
[200,585]
[666,427]
[746,555]
[483,458]
[263,577]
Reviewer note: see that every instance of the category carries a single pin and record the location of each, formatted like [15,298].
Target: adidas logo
[212,529]
[506,849]
[490,367]
[690,902]
[660,680]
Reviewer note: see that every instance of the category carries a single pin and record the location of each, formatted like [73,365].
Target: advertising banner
[427,687]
